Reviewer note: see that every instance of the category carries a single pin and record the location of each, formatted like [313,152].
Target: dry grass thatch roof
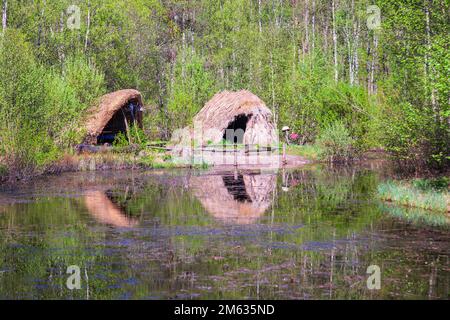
[99,115]
[225,107]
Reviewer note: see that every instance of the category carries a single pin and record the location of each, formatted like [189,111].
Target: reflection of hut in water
[105,211]
[115,113]
[238,199]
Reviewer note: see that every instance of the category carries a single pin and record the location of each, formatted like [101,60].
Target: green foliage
[147,161]
[438,184]
[84,79]
[39,108]
[121,140]
[416,116]
[413,137]
[136,135]
[309,151]
[24,141]
[336,143]
[3,171]
[388,87]
[192,87]
[411,196]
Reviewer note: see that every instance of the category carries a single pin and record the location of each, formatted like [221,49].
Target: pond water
[308,233]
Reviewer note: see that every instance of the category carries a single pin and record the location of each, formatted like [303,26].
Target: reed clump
[415,194]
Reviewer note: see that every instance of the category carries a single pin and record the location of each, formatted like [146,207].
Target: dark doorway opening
[114,126]
[129,112]
[234,133]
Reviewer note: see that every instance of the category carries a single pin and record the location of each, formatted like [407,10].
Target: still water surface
[300,234]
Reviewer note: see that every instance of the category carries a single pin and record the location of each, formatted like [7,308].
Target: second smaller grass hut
[116,112]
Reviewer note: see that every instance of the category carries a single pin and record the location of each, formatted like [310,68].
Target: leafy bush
[86,82]
[189,91]
[121,140]
[40,109]
[136,135]
[336,143]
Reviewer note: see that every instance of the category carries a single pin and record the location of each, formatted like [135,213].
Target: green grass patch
[309,151]
[408,194]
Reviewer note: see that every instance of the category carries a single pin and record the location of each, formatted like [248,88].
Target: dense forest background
[317,64]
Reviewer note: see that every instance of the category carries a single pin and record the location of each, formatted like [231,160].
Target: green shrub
[147,161]
[121,140]
[138,136]
[86,82]
[414,138]
[335,143]
[135,134]
[40,108]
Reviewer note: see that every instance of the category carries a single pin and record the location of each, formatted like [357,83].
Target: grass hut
[112,115]
[235,111]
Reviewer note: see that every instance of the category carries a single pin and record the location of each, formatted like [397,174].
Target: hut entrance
[234,133]
[120,122]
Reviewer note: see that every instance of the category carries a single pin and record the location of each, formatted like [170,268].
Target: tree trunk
[373,64]
[5,14]
[351,44]
[355,51]
[313,21]
[350,59]
[86,40]
[183,45]
[428,80]
[272,76]
[336,72]
[259,16]
[61,54]
[306,22]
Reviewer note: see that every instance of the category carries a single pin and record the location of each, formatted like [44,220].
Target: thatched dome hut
[113,115]
[235,111]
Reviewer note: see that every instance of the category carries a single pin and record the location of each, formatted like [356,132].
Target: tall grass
[309,151]
[407,194]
